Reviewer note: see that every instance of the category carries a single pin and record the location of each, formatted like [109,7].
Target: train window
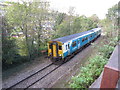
[90,35]
[60,47]
[86,38]
[74,44]
[50,46]
[83,40]
[66,47]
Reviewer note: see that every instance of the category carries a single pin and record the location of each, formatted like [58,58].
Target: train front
[55,51]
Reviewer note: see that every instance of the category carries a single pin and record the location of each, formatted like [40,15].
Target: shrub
[89,72]
[106,50]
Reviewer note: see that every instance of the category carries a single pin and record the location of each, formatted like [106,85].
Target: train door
[69,48]
[78,43]
[55,49]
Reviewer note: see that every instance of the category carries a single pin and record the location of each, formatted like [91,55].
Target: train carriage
[60,48]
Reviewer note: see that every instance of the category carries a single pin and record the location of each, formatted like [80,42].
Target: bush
[106,50]
[89,72]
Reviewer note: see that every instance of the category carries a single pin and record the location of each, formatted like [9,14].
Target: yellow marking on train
[60,52]
[54,50]
[48,49]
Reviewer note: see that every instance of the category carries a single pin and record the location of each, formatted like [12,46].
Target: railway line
[25,83]
[37,76]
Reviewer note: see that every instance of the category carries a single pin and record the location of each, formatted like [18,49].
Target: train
[61,48]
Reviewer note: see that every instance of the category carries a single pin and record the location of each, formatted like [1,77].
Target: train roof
[69,37]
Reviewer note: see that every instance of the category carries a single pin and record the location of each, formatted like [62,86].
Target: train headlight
[60,54]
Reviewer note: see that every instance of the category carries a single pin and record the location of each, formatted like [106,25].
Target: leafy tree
[26,18]
[59,19]
[113,18]
[70,19]
[9,51]
[18,17]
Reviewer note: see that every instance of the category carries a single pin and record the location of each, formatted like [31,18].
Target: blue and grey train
[60,48]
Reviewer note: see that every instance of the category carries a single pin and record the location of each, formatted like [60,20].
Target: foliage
[76,25]
[22,31]
[59,19]
[106,50]
[89,72]
[111,22]
[9,51]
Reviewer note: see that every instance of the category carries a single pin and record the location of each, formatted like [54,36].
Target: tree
[59,19]
[9,51]
[29,18]
[40,11]
[113,17]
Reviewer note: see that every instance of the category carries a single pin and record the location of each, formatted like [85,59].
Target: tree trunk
[27,42]
[39,29]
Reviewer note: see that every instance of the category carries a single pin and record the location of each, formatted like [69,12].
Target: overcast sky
[82,7]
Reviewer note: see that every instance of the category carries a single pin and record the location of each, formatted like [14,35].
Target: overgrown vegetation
[89,73]
[95,65]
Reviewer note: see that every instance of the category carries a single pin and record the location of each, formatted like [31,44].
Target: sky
[82,7]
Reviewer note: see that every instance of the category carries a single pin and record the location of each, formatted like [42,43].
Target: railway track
[30,80]
[37,76]
[43,76]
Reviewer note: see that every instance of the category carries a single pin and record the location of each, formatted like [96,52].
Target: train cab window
[50,46]
[74,44]
[60,47]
